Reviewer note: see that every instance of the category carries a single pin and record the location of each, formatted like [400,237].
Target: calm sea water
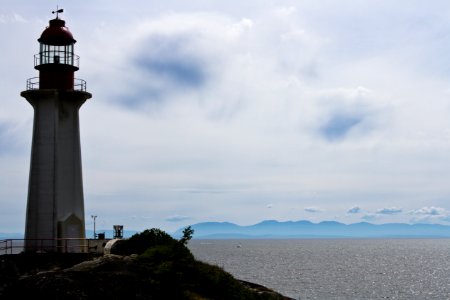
[337,268]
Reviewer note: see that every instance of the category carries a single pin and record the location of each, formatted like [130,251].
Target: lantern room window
[56,54]
[51,54]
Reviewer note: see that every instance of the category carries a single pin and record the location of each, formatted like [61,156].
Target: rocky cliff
[120,277]
[149,265]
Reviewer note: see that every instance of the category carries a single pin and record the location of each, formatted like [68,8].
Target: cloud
[354,210]
[389,211]
[141,217]
[188,96]
[430,214]
[4,132]
[171,58]
[207,190]
[12,141]
[430,211]
[240,28]
[347,112]
[177,219]
[13,18]
[312,209]
[160,60]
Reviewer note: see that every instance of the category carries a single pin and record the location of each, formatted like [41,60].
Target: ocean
[336,268]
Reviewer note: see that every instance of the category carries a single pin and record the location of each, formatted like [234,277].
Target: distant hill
[295,229]
[306,229]
[4,236]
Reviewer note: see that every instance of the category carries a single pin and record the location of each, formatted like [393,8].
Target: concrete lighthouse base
[55,207]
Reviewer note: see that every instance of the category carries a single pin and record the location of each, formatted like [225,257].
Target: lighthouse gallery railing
[61,245]
[78,84]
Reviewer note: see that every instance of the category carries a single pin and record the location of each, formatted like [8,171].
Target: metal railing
[57,57]
[61,245]
[78,84]
[33,83]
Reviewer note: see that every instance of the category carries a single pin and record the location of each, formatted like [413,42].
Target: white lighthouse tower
[55,207]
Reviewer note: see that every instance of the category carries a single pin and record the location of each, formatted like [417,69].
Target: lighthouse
[55,205]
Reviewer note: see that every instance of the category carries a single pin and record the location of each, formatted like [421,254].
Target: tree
[187,235]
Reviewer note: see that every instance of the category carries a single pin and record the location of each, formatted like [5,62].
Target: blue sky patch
[338,126]
[180,72]
[171,58]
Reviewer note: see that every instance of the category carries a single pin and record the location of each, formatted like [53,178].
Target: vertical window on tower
[42,56]
[54,54]
[68,54]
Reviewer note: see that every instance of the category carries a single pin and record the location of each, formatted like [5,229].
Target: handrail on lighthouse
[57,57]
[78,84]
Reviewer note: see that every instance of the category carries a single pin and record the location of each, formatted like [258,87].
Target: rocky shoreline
[81,276]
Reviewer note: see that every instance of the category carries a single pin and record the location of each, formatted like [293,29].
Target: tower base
[55,207]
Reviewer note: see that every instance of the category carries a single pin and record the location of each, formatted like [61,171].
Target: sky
[243,111]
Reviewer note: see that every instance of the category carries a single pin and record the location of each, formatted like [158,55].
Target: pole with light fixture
[94,217]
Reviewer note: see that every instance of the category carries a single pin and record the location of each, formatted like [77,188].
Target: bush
[139,242]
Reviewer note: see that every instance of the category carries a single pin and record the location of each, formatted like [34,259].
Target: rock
[260,289]
[96,263]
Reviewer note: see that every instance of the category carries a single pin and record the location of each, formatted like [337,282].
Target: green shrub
[139,242]
[168,252]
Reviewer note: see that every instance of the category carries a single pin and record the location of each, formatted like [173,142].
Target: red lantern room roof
[57,34]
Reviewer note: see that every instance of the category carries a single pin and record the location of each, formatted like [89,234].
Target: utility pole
[94,217]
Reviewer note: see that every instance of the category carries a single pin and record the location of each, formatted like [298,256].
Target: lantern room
[56,44]
[56,60]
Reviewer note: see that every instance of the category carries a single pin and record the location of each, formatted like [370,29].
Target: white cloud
[430,210]
[389,211]
[236,30]
[430,214]
[312,209]
[13,18]
[177,218]
[354,210]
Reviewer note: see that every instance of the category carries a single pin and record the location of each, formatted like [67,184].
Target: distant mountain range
[5,236]
[296,229]
[306,229]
